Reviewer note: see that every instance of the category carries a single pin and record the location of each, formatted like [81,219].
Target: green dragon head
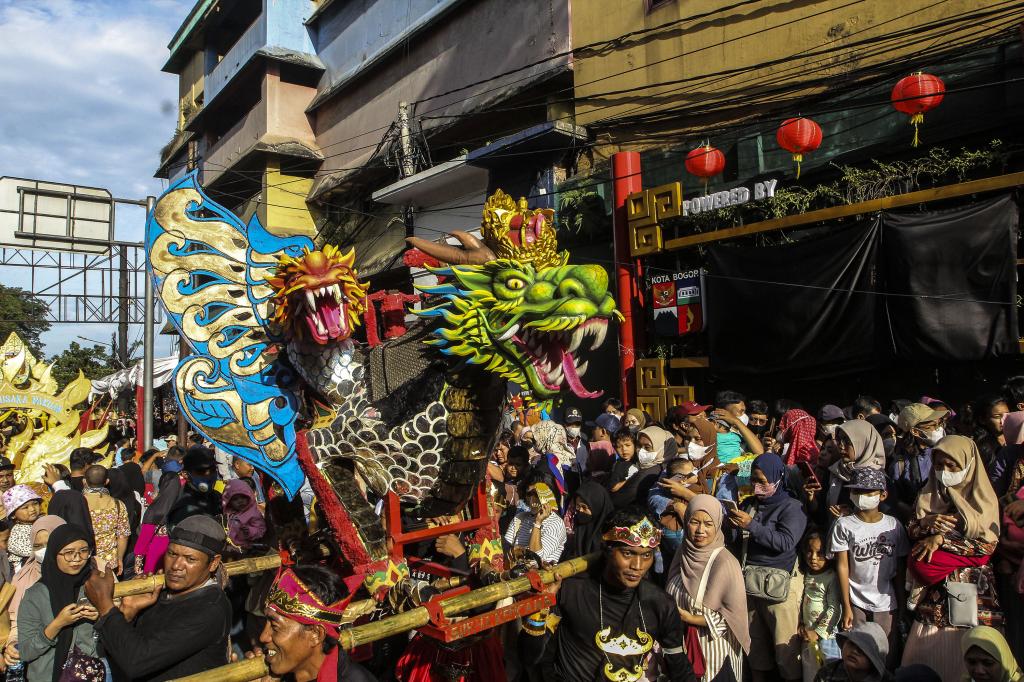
[525,313]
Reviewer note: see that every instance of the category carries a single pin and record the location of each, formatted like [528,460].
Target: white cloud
[84,101]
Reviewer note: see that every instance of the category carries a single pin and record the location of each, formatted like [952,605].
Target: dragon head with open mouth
[514,306]
[318,295]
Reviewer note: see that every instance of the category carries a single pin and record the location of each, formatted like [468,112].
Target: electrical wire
[582,145]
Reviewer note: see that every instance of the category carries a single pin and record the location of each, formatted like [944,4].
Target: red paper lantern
[799,136]
[916,94]
[705,162]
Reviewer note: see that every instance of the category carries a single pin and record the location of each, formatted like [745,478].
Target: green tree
[24,313]
[95,362]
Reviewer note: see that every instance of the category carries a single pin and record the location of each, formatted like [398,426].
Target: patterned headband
[290,598]
[643,533]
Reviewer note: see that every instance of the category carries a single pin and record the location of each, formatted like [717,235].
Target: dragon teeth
[577,338]
[582,369]
[310,300]
[600,331]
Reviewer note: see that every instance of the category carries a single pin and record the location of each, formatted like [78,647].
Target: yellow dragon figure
[40,436]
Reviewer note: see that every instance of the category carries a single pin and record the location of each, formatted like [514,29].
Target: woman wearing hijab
[703,451]
[71,506]
[51,623]
[956,528]
[775,524]
[707,584]
[552,442]
[27,577]
[1008,476]
[988,658]
[120,489]
[860,446]
[797,431]
[656,447]
[593,505]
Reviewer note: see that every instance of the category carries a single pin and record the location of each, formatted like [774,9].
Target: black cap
[6,464]
[199,532]
[198,458]
[573,416]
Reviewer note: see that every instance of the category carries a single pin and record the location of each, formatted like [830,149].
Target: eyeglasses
[73,554]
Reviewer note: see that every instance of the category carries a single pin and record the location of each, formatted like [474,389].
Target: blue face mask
[729,447]
[671,540]
[172,466]
[203,483]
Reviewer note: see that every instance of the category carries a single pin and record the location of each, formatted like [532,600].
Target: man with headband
[607,620]
[304,612]
[173,632]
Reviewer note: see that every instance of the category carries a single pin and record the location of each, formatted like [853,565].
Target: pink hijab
[725,593]
[1013,428]
[31,570]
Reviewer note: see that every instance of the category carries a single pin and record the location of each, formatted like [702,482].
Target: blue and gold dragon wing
[209,270]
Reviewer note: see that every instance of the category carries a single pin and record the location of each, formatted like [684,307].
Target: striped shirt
[552,534]
[716,640]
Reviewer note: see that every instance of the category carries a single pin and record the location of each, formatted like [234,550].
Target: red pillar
[627,179]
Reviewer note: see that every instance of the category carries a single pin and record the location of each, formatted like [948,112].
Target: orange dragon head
[318,296]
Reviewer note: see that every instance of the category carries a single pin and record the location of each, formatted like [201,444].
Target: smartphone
[808,472]
[730,506]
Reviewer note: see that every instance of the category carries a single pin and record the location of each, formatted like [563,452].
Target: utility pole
[122,308]
[408,166]
[149,348]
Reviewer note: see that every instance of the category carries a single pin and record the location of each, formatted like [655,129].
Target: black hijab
[136,479]
[120,489]
[71,506]
[63,588]
[587,537]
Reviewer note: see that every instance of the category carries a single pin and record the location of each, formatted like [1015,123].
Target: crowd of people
[732,540]
[862,542]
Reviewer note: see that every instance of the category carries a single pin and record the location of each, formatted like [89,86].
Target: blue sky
[84,101]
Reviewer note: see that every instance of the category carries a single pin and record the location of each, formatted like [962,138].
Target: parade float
[40,425]
[404,426]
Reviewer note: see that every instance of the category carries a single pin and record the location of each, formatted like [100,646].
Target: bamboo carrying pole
[255,668]
[418,617]
[149,583]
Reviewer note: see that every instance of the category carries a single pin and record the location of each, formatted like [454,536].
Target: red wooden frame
[400,538]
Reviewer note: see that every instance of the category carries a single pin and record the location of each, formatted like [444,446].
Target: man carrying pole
[172,632]
[305,609]
[607,620]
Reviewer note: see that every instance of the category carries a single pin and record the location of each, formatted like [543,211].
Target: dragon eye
[515,284]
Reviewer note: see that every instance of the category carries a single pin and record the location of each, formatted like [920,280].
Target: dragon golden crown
[512,230]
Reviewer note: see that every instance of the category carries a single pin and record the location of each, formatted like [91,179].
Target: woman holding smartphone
[52,623]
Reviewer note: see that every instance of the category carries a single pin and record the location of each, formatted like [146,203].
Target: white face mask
[744,418]
[830,429]
[645,457]
[696,452]
[865,502]
[40,553]
[572,431]
[934,436]
[951,479]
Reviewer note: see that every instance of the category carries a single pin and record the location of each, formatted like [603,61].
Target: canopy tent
[131,377]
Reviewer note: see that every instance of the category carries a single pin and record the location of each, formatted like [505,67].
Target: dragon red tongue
[573,379]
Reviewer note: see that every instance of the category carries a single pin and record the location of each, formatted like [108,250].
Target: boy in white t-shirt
[870,549]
